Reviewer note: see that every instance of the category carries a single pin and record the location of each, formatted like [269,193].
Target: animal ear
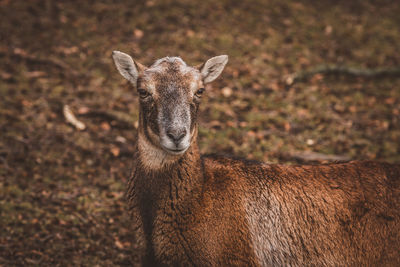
[213,68]
[128,68]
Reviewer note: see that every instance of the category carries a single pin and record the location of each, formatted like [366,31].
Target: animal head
[170,92]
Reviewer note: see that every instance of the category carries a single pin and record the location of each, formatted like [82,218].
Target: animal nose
[176,135]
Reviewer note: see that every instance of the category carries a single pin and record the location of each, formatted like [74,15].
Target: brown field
[62,189]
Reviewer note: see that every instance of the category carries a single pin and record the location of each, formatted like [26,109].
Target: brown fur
[218,211]
[194,213]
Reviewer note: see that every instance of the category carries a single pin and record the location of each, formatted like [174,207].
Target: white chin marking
[155,158]
[175,151]
[170,147]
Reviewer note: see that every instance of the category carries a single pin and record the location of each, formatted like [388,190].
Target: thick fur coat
[189,210]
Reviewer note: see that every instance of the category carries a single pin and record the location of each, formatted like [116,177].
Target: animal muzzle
[175,131]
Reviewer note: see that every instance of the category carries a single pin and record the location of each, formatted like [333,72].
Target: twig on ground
[343,70]
[70,117]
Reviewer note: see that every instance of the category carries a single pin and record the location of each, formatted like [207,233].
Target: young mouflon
[189,209]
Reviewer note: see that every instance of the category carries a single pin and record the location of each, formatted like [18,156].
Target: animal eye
[143,93]
[200,92]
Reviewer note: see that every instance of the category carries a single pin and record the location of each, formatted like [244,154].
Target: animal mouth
[175,151]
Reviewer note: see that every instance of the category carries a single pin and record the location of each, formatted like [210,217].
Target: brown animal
[218,211]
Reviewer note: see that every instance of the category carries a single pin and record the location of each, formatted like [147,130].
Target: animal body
[193,210]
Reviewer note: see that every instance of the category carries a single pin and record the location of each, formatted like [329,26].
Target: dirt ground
[62,189]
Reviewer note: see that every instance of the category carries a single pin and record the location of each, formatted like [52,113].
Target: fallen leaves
[118,244]
[115,151]
[138,33]
[35,74]
[63,188]
[105,126]
[67,50]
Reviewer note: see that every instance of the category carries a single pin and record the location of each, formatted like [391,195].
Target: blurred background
[307,82]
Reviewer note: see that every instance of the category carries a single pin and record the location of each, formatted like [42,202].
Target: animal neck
[173,190]
[167,190]
[157,171]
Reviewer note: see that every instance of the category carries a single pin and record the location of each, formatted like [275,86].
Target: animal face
[170,92]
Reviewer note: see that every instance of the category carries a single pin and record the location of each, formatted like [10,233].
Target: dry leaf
[190,33]
[390,100]
[274,86]
[230,124]
[35,74]
[26,103]
[256,42]
[226,91]
[118,244]
[115,151]
[328,30]
[5,75]
[251,134]
[83,110]
[138,33]
[67,50]
[243,124]
[353,109]
[256,86]
[19,51]
[287,126]
[120,139]
[105,126]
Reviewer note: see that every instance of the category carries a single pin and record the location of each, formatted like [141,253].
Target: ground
[62,189]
